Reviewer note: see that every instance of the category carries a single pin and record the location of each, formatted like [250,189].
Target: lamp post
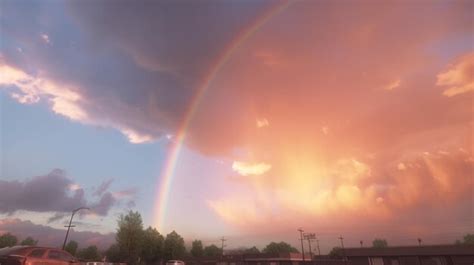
[70,222]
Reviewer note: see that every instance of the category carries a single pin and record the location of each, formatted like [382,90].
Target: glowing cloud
[137,138]
[245,169]
[401,166]
[74,187]
[325,130]
[459,78]
[262,123]
[64,100]
[393,85]
[237,211]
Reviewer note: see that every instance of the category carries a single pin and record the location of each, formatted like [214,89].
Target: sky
[243,119]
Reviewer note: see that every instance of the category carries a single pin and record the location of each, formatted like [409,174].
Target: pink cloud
[459,77]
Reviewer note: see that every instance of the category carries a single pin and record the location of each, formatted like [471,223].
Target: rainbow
[161,201]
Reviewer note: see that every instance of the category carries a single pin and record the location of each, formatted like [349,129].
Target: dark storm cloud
[133,67]
[50,192]
[177,37]
[52,237]
[54,192]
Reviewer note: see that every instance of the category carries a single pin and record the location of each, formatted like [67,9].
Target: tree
[152,246]
[113,254]
[277,248]
[7,240]
[468,239]
[379,243]
[29,241]
[212,251]
[71,247]
[336,253]
[197,249]
[130,236]
[174,246]
[252,250]
[91,253]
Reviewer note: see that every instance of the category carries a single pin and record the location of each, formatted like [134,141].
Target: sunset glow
[247,119]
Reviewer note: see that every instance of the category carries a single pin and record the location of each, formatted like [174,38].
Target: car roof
[23,250]
[18,250]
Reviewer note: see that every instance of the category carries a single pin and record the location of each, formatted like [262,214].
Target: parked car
[175,262]
[28,255]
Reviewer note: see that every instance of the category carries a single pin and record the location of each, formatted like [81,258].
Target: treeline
[136,245]
[8,240]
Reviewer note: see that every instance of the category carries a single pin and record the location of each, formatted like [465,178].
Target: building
[265,259]
[413,255]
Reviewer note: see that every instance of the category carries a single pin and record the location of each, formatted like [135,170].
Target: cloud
[393,85]
[268,59]
[246,169]
[353,190]
[103,187]
[45,38]
[325,130]
[262,123]
[50,193]
[459,77]
[74,187]
[401,166]
[138,86]
[65,101]
[51,237]
[130,192]
[238,211]
[135,73]
[103,206]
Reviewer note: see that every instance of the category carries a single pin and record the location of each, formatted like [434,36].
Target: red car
[27,255]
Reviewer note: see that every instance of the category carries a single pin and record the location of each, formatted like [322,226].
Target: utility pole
[343,251]
[309,237]
[342,241]
[319,250]
[419,241]
[301,238]
[222,246]
[361,244]
[70,223]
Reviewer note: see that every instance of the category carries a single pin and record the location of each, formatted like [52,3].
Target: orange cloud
[262,123]
[352,189]
[459,77]
[246,169]
[393,85]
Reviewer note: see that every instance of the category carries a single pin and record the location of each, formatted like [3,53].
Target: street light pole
[70,222]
